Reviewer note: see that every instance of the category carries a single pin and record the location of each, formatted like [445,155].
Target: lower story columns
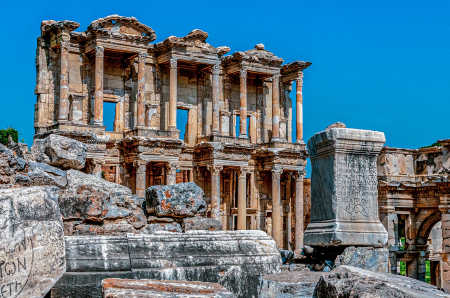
[141,175]
[276,208]
[299,224]
[215,191]
[242,200]
[171,174]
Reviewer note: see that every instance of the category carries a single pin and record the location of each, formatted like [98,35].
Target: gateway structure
[238,137]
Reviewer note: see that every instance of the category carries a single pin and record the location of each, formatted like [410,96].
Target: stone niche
[344,209]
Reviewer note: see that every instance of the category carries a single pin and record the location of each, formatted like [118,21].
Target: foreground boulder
[369,258]
[348,281]
[179,200]
[234,259]
[32,254]
[118,288]
[60,151]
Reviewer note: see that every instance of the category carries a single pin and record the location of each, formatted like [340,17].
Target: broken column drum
[344,207]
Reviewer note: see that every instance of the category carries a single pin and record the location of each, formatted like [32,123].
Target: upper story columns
[243,103]
[275,107]
[63,111]
[140,90]
[215,98]
[173,77]
[98,91]
[299,107]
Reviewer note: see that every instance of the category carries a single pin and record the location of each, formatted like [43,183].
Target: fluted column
[140,90]
[243,109]
[171,174]
[141,175]
[242,200]
[299,224]
[215,191]
[276,207]
[276,107]
[215,99]
[98,97]
[63,111]
[299,108]
[173,94]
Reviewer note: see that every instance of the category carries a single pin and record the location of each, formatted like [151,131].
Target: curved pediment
[118,25]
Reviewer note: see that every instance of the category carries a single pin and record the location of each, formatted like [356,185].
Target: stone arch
[426,226]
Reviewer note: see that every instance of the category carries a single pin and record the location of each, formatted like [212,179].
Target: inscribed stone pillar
[299,224]
[171,174]
[63,112]
[276,207]
[299,108]
[344,206]
[215,98]
[243,108]
[215,191]
[76,113]
[98,97]
[276,107]
[173,94]
[141,173]
[242,200]
[140,90]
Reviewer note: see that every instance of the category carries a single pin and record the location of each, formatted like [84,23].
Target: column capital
[215,169]
[173,63]
[216,69]
[243,73]
[277,171]
[275,77]
[299,175]
[99,51]
[243,171]
[142,56]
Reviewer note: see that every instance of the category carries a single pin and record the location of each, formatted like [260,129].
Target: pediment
[115,25]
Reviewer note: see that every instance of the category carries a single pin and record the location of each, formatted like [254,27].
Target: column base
[97,123]
[243,137]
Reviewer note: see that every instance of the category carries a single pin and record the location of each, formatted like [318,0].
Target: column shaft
[141,172]
[243,108]
[140,90]
[215,98]
[299,108]
[242,200]
[171,172]
[276,107]
[215,192]
[299,224]
[63,111]
[173,94]
[98,97]
[276,208]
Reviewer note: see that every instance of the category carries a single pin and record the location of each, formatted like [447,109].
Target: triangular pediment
[118,25]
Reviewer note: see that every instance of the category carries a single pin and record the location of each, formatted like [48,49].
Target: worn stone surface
[369,258]
[344,208]
[201,223]
[10,167]
[93,206]
[32,247]
[289,284]
[179,200]
[155,227]
[234,259]
[117,288]
[61,151]
[347,281]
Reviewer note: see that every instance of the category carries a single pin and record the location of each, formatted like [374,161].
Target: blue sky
[381,65]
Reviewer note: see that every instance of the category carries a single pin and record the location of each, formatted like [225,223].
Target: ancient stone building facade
[237,144]
[414,202]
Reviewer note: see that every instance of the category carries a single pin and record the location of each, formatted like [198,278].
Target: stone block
[156,227]
[369,258]
[344,192]
[32,247]
[234,259]
[64,152]
[201,223]
[117,288]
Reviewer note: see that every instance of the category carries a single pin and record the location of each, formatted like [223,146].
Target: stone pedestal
[344,207]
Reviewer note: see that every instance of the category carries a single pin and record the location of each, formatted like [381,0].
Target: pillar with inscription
[215,191]
[243,108]
[344,194]
[242,200]
[98,96]
[277,224]
[173,84]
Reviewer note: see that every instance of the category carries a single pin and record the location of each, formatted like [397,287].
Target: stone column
[276,207]
[242,200]
[215,191]
[140,90]
[63,111]
[141,173]
[445,262]
[173,94]
[276,107]
[76,113]
[215,99]
[98,97]
[243,109]
[299,108]
[299,224]
[171,172]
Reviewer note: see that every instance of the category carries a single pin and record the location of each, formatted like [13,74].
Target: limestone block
[344,192]
[234,259]
[347,281]
[201,223]
[32,247]
[369,258]
[289,284]
[179,200]
[117,288]
[169,227]
[44,174]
